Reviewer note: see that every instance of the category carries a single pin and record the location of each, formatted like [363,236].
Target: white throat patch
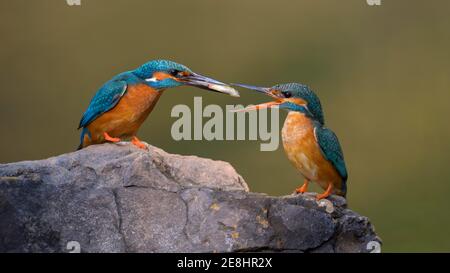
[152,79]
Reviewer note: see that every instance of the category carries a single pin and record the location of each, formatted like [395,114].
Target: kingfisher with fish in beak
[313,149]
[122,104]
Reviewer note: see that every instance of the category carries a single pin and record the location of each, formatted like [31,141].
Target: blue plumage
[147,69]
[331,150]
[105,99]
[319,157]
[298,108]
[142,87]
[302,91]
[327,140]
[110,93]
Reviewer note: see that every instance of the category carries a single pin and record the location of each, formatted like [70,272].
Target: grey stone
[116,198]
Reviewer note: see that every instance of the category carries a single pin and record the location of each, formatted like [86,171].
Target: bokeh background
[382,74]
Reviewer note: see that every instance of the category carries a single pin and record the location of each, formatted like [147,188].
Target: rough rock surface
[116,198]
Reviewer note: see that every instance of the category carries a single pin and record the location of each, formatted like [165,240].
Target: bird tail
[343,190]
[83,133]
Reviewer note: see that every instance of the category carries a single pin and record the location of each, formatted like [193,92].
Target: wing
[104,100]
[331,149]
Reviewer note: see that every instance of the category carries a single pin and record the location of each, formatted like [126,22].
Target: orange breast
[304,152]
[127,116]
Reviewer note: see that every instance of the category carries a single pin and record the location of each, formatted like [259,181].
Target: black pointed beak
[256,88]
[203,82]
[265,90]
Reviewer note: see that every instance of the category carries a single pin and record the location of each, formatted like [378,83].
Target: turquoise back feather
[332,151]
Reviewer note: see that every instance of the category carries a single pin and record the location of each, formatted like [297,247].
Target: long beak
[265,90]
[203,82]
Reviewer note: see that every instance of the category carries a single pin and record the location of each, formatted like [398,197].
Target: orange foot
[136,142]
[326,193]
[109,138]
[303,188]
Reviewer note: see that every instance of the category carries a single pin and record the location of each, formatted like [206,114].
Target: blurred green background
[382,74]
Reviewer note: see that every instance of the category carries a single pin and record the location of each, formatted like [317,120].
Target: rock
[116,198]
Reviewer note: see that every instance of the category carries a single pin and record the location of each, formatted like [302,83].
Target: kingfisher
[123,103]
[313,149]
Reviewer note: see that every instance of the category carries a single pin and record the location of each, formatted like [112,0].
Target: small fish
[224,89]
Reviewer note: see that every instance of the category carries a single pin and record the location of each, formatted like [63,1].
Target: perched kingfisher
[313,149]
[122,104]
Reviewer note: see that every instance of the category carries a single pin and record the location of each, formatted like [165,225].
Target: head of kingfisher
[163,74]
[292,97]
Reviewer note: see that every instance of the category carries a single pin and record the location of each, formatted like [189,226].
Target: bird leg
[303,188]
[136,142]
[109,138]
[326,193]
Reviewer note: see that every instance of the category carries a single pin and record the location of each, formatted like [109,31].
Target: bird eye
[175,72]
[287,94]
